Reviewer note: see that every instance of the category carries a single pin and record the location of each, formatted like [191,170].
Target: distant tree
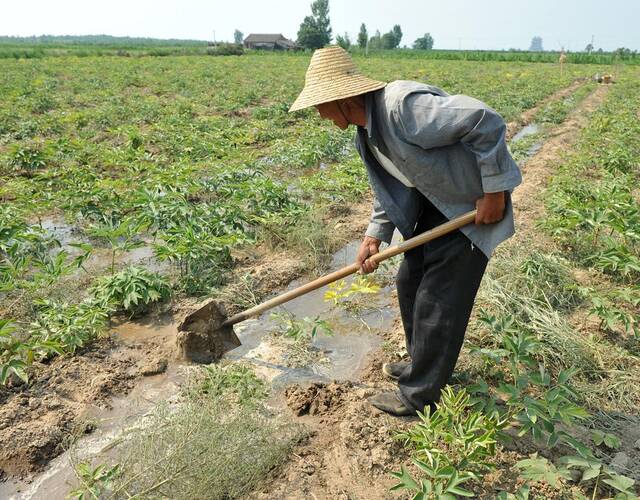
[536,44]
[238,37]
[397,33]
[315,30]
[424,43]
[344,41]
[388,41]
[363,36]
[375,42]
[589,48]
[623,51]
[391,39]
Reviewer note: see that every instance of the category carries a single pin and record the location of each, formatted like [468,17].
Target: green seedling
[449,447]
[340,292]
[121,235]
[95,482]
[133,290]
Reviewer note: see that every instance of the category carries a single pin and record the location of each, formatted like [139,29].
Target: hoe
[206,334]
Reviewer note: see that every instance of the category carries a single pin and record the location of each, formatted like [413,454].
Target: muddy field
[83,406]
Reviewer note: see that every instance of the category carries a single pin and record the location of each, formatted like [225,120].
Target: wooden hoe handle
[409,244]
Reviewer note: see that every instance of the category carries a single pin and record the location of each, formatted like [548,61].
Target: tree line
[315,32]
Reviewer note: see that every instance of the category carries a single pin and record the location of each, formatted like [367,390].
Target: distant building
[268,42]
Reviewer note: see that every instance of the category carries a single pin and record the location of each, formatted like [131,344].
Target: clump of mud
[36,419]
[317,398]
[201,336]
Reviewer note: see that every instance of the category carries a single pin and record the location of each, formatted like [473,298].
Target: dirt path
[528,116]
[538,168]
[351,449]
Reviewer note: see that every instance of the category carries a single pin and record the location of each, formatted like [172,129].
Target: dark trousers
[437,285]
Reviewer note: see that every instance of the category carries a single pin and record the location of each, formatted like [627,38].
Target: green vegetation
[195,161]
[132,290]
[297,336]
[219,442]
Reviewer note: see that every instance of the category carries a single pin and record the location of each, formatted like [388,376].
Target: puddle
[531,142]
[161,329]
[531,129]
[65,233]
[100,258]
[344,355]
[345,351]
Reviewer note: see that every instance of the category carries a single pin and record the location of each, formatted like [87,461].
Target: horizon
[461,25]
[333,42]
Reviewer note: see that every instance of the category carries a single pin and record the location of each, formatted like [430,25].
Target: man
[430,157]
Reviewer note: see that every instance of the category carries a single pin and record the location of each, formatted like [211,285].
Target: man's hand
[490,208]
[368,247]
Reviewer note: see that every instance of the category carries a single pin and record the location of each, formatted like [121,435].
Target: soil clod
[202,338]
[316,399]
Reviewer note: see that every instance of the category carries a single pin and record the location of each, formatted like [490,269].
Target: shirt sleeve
[432,121]
[380,226]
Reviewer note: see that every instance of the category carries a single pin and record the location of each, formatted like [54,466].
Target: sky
[454,24]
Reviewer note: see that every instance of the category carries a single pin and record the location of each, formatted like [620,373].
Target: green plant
[593,471]
[451,445]
[237,381]
[441,482]
[121,235]
[14,355]
[521,494]
[51,267]
[533,402]
[94,481]
[28,159]
[340,292]
[304,329]
[132,290]
[609,440]
[611,312]
[61,327]
[540,469]
[202,258]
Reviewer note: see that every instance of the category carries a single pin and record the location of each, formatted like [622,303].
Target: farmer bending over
[430,157]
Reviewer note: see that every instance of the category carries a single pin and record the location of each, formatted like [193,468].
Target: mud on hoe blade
[206,334]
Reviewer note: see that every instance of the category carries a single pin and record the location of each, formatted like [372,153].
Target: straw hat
[331,76]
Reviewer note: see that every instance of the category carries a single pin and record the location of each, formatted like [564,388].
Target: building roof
[264,38]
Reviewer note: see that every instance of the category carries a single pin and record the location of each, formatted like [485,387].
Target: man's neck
[359,111]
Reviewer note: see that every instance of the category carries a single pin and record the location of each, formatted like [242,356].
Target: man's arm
[432,121]
[380,229]
[380,226]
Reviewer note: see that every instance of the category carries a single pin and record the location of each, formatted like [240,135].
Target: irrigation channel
[342,355]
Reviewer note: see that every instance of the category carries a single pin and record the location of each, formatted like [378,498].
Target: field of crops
[130,185]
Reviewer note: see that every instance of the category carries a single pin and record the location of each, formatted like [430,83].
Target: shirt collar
[369,104]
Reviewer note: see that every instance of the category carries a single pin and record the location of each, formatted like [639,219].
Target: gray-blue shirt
[451,148]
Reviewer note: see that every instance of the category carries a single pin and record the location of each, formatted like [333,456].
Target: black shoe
[391,403]
[394,370]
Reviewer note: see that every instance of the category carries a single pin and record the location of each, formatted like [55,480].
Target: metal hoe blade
[202,337]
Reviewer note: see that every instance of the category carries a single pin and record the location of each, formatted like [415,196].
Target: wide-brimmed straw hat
[331,76]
